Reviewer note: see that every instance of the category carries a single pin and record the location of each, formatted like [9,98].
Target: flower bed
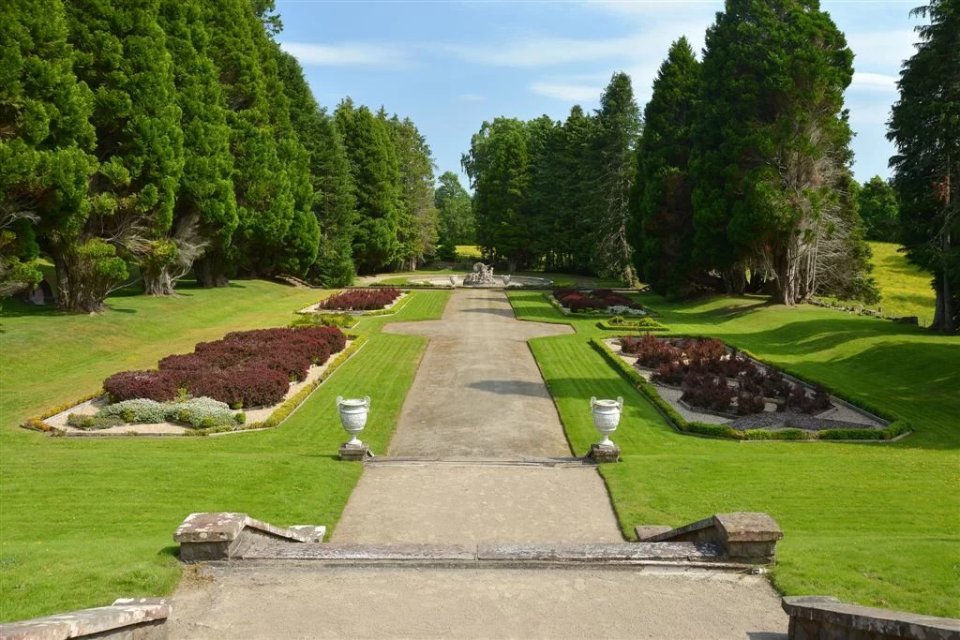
[785,419]
[244,369]
[721,380]
[619,323]
[602,301]
[360,300]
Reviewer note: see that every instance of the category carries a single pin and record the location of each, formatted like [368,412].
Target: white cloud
[568,92]
[875,82]
[355,54]
[881,50]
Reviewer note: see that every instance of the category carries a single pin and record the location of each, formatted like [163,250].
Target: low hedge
[633,324]
[896,427]
[360,299]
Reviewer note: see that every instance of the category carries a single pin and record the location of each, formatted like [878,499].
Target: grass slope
[85,521]
[874,524]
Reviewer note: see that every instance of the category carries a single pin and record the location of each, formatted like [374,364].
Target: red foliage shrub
[245,368]
[651,352]
[707,392]
[242,387]
[360,299]
[749,402]
[672,373]
[152,385]
[800,401]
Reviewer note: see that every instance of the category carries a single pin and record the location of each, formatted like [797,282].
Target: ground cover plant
[620,323]
[242,369]
[93,492]
[201,413]
[868,523]
[361,299]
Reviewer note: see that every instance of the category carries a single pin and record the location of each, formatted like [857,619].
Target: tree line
[737,177]
[170,135]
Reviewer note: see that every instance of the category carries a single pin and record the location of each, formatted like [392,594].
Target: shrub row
[896,427]
[244,369]
[360,299]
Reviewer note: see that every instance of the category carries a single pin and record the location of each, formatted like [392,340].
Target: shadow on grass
[810,336]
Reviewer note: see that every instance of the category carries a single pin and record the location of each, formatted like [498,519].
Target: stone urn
[506,280]
[353,416]
[606,417]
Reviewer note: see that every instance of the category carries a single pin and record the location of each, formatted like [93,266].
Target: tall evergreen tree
[662,209]
[332,203]
[454,214]
[205,213]
[375,173]
[618,128]
[498,167]
[121,55]
[770,162]
[544,143]
[879,210]
[262,186]
[576,174]
[46,141]
[417,231]
[925,126]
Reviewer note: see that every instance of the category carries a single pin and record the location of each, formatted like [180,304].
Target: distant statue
[506,280]
[481,275]
[453,281]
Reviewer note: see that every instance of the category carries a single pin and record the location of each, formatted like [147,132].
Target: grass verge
[84,521]
[877,524]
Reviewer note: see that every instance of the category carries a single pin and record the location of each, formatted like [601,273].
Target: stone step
[481,462]
[673,554]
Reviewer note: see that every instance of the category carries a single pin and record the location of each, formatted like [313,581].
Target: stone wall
[826,618]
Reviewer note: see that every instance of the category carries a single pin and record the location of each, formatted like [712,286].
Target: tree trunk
[210,270]
[158,284]
[735,280]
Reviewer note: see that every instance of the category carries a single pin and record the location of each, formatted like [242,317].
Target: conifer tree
[375,173]
[205,213]
[662,234]
[121,56]
[618,127]
[879,210]
[455,216]
[417,231]
[45,146]
[332,203]
[771,159]
[925,126]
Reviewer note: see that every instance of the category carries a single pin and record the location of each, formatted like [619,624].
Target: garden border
[395,307]
[599,316]
[281,412]
[606,326]
[897,428]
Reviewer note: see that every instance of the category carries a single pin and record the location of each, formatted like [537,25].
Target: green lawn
[905,289]
[877,524]
[84,521]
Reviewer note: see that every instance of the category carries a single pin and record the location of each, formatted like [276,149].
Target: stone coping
[227,527]
[740,526]
[121,617]
[816,612]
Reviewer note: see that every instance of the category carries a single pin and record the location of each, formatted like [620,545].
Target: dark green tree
[925,126]
[454,216]
[770,161]
[417,231]
[544,145]
[498,167]
[879,210]
[332,202]
[662,211]
[576,173]
[375,173]
[205,213]
[122,56]
[618,128]
[46,141]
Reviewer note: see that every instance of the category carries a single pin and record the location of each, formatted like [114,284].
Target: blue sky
[451,65]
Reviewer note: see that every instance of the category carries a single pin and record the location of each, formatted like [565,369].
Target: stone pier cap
[744,536]
[136,618]
[217,535]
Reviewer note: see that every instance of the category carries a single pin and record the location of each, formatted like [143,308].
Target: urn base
[604,453]
[354,453]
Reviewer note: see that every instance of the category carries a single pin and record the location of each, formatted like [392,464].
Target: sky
[450,66]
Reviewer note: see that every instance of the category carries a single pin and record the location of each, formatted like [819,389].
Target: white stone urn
[606,417]
[353,416]
[506,280]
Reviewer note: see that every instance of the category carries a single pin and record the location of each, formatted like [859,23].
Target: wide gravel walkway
[479,455]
